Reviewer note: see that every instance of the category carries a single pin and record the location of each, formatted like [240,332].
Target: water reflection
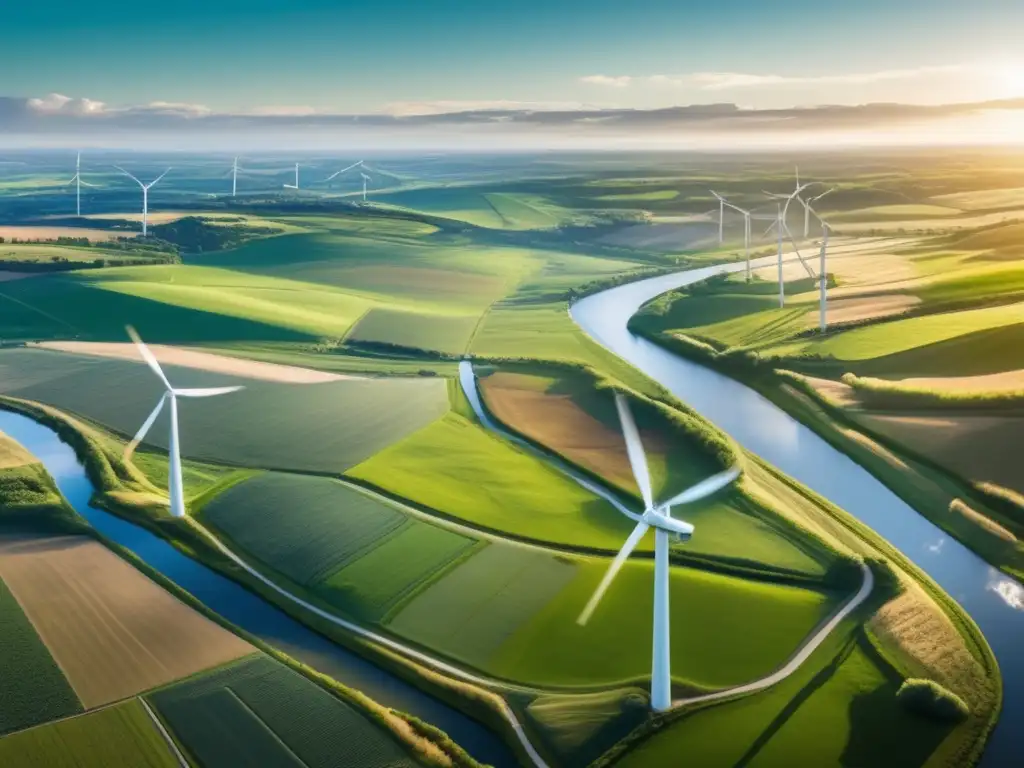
[1008,590]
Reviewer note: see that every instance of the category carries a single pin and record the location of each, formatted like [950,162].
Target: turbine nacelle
[662,519]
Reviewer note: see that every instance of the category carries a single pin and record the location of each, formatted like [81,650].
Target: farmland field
[513,612]
[566,414]
[305,527]
[259,712]
[70,587]
[34,689]
[441,333]
[123,735]
[268,424]
[457,467]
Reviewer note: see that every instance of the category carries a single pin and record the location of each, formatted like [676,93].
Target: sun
[1010,80]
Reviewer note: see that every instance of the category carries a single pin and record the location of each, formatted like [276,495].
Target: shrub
[931,700]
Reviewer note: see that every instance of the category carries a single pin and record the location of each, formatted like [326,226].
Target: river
[994,601]
[245,609]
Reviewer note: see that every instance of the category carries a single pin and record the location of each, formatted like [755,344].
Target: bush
[931,700]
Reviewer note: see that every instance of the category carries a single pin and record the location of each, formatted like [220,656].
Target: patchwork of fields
[259,712]
[325,427]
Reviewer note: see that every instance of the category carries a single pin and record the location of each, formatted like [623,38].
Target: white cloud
[613,82]
[418,108]
[718,81]
[59,103]
[175,108]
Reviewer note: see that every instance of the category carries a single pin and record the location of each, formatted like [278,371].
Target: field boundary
[163,732]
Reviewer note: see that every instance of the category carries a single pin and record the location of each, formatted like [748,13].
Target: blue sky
[405,56]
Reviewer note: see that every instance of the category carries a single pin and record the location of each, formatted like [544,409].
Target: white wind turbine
[77,178]
[782,229]
[174,479]
[145,194]
[822,266]
[294,186]
[234,176]
[746,227]
[344,170]
[365,179]
[659,517]
[807,210]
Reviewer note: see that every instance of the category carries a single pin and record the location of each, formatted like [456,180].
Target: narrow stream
[246,610]
[994,600]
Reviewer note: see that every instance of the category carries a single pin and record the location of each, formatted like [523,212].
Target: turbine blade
[613,570]
[87,184]
[705,487]
[796,249]
[148,356]
[122,170]
[773,225]
[826,192]
[206,392]
[141,434]
[635,449]
[154,181]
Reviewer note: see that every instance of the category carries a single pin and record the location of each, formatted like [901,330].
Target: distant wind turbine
[343,170]
[77,178]
[659,517]
[807,210]
[746,227]
[174,479]
[234,176]
[296,184]
[365,179]
[145,193]
[782,229]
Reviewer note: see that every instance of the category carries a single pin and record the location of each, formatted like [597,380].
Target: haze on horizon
[320,74]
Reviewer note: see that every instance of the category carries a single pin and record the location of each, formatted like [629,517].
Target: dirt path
[204,361]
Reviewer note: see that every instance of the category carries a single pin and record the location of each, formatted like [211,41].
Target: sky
[414,57]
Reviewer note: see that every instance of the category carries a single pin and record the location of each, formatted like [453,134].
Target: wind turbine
[746,226]
[807,211]
[234,176]
[659,517]
[174,479]
[822,266]
[365,179]
[783,229]
[145,193]
[721,218]
[77,178]
[294,186]
[343,170]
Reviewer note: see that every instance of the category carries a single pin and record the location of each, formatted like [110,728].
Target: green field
[839,710]
[259,712]
[122,735]
[325,427]
[904,335]
[372,585]
[32,688]
[512,612]
[459,468]
[304,527]
[441,333]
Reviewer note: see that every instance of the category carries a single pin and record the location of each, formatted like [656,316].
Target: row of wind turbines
[779,222]
[79,182]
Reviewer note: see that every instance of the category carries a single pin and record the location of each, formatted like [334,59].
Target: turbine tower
[659,517]
[145,194]
[721,219]
[234,176]
[344,170]
[365,179]
[174,479]
[77,179]
[783,229]
[294,186]
[746,227]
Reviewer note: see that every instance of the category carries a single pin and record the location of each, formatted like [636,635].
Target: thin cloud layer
[719,81]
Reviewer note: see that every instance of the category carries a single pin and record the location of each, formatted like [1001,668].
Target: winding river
[245,609]
[994,601]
